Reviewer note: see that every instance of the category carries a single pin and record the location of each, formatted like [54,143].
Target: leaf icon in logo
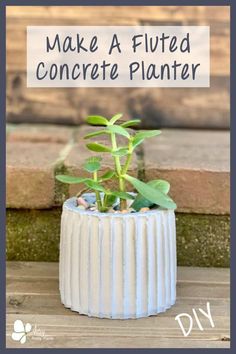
[20,331]
[28,327]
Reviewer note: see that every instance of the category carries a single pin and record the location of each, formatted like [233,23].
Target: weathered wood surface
[104,14]
[33,296]
[203,107]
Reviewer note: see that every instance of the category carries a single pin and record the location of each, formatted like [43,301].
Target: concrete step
[195,162]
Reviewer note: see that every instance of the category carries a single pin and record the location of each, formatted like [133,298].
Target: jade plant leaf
[107,175]
[97,120]
[139,137]
[122,195]
[131,123]
[153,195]
[116,117]
[98,147]
[70,179]
[141,202]
[94,185]
[120,152]
[160,184]
[147,134]
[117,129]
[92,164]
[99,132]
[110,200]
[136,142]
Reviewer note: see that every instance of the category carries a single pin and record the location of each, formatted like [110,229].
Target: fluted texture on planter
[117,265]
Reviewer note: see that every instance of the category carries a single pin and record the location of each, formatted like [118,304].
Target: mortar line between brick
[64,153]
[140,163]
[61,192]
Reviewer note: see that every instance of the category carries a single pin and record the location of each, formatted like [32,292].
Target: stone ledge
[196,163]
[202,240]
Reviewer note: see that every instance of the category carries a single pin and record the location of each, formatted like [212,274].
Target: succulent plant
[152,193]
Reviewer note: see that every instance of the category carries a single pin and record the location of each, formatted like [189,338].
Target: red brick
[40,133]
[196,163]
[30,174]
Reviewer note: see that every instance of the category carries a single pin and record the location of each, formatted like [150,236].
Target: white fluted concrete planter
[117,265]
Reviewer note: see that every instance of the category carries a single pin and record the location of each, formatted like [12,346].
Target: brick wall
[158,107]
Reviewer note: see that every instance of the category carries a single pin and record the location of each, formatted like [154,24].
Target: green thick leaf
[118,130]
[140,136]
[70,179]
[97,120]
[136,141]
[120,152]
[110,200]
[153,195]
[116,117]
[122,195]
[99,132]
[131,123]
[94,185]
[94,159]
[141,202]
[92,164]
[161,184]
[98,147]
[107,175]
[147,133]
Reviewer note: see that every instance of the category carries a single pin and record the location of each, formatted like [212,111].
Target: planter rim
[70,204]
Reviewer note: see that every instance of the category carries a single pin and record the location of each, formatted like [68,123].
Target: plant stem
[123,204]
[127,163]
[97,193]
[128,160]
[116,158]
[105,201]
